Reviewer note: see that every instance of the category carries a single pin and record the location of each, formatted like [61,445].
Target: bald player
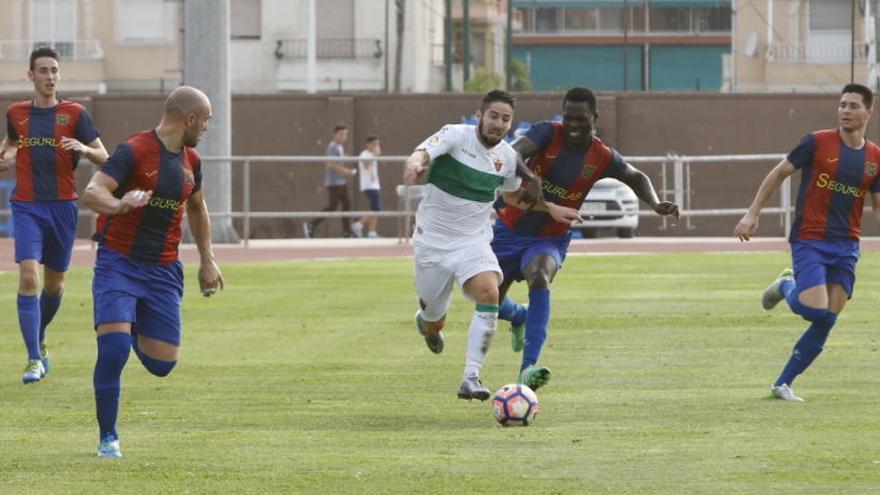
[140,195]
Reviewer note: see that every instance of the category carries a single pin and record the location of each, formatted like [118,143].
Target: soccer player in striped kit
[530,244]
[140,194]
[466,166]
[838,169]
[46,136]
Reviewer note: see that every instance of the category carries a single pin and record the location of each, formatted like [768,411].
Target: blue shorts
[145,294]
[44,231]
[825,262]
[514,251]
[374,199]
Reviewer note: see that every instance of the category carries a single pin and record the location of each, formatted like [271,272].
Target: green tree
[484,80]
[519,76]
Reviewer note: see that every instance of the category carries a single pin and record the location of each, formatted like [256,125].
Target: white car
[610,204]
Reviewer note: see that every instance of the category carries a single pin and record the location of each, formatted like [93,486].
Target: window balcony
[818,51]
[76,50]
[344,48]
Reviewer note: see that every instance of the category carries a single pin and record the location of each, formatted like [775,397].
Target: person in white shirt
[368,170]
[467,166]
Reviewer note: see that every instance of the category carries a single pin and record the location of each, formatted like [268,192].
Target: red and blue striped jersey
[151,234]
[43,169]
[834,181]
[566,177]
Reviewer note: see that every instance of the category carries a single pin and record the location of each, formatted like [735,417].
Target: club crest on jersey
[188,177]
[498,165]
[62,119]
[870,169]
[589,170]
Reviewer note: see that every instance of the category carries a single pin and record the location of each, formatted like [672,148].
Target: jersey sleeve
[439,143]
[512,182]
[120,164]
[10,129]
[802,154]
[617,166]
[541,134]
[85,130]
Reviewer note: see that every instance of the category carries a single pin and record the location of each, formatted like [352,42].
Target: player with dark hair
[141,194]
[530,244]
[46,136]
[838,169]
[468,164]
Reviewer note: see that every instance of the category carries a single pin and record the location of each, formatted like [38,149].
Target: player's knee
[28,282]
[539,279]
[486,295]
[158,367]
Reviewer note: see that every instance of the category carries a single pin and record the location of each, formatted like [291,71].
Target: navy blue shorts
[144,294]
[825,262]
[44,231]
[514,251]
[374,198]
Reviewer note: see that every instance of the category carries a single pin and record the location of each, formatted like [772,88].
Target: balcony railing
[345,48]
[68,50]
[841,52]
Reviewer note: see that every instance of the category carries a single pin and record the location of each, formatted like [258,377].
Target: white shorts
[435,270]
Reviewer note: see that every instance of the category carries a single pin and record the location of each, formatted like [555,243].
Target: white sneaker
[785,392]
[357,229]
[33,372]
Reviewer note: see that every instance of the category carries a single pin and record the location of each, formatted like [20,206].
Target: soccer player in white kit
[467,165]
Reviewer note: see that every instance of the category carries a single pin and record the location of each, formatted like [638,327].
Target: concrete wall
[637,124]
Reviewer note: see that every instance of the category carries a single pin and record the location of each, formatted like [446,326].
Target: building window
[144,21]
[53,23]
[829,37]
[245,19]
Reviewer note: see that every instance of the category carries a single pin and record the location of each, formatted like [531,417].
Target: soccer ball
[515,404]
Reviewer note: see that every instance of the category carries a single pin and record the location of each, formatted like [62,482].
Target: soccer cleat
[33,372]
[773,293]
[517,333]
[109,447]
[472,388]
[534,376]
[44,357]
[308,230]
[435,341]
[357,229]
[785,392]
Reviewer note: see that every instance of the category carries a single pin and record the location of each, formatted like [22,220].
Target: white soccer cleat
[773,294]
[785,392]
[33,372]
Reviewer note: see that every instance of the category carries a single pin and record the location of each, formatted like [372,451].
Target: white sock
[480,334]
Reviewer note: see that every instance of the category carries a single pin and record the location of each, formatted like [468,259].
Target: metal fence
[676,183]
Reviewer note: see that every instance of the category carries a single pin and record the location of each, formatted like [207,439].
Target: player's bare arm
[525,148]
[639,182]
[94,151]
[748,224]
[7,151]
[210,278]
[875,205]
[416,165]
[562,214]
[98,196]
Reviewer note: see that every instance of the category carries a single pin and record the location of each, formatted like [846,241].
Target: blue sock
[113,350]
[807,348]
[536,326]
[155,366]
[29,321]
[49,304]
[787,286]
[511,311]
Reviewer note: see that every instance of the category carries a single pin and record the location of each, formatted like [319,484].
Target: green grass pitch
[308,377]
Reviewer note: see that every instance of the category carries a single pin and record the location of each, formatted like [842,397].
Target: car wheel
[625,233]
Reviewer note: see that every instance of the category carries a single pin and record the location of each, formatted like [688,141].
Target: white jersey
[369,177]
[462,184]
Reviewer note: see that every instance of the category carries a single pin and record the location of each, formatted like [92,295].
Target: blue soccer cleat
[109,447]
[33,372]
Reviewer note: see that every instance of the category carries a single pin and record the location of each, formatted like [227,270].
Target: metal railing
[77,50]
[344,48]
[676,184]
[824,52]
